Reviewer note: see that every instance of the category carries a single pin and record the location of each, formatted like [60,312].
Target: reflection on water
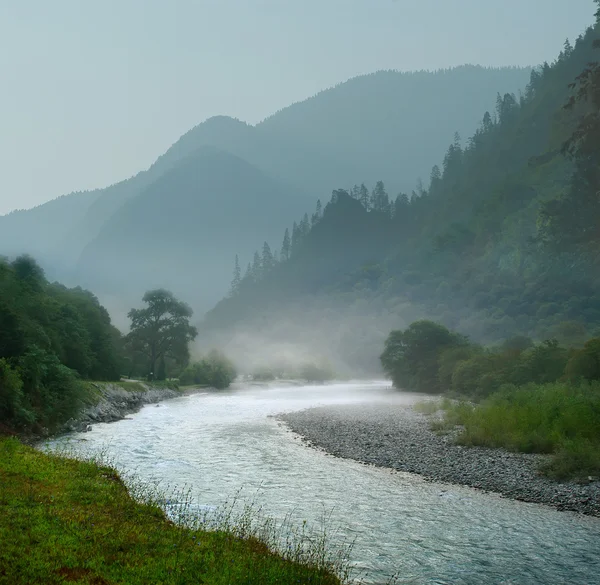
[425,532]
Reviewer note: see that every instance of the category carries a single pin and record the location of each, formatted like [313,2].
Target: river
[427,533]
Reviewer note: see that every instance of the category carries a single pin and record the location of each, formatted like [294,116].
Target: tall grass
[81,521]
[558,418]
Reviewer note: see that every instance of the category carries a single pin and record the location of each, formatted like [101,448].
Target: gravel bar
[397,437]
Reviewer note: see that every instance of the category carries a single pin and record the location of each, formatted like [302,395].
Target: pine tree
[248,273]
[267,259]
[295,239]
[304,226]
[355,192]
[568,50]
[364,197]
[237,277]
[401,207]
[317,215]
[256,267]
[435,178]
[286,246]
[487,123]
[380,200]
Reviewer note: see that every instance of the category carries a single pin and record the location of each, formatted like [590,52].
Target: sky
[93,92]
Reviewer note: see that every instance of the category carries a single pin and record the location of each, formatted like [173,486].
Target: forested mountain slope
[388,124]
[182,230]
[485,249]
[391,125]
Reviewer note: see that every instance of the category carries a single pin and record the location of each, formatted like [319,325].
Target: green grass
[69,521]
[558,419]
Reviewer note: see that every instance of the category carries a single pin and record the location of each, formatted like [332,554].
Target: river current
[426,533]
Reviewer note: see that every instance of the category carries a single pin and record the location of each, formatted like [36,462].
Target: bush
[214,370]
[315,373]
[585,363]
[558,418]
[11,396]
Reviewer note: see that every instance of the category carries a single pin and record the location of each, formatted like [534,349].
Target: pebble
[399,438]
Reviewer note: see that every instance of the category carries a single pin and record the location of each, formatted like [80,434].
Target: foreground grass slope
[68,521]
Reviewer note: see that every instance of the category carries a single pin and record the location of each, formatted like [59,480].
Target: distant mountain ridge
[502,241]
[387,125]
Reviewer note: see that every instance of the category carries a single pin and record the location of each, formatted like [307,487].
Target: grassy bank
[560,418]
[68,521]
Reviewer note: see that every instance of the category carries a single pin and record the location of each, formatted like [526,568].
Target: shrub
[214,370]
[557,418]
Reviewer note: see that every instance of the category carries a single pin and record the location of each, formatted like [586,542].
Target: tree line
[53,338]
[525,396]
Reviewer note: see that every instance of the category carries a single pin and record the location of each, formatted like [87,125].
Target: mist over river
[425,532]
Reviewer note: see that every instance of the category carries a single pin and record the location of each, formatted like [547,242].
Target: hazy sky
[93,91]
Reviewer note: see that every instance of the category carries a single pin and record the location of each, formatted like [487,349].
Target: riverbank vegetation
[559,418]
[310,371]
[64,520]
[214,370]
[54,340]
[520,395]
[51,337]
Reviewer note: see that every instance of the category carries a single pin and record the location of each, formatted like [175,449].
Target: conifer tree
[401,207]
[379,198]
[304,226]
[487,122]
[319,210]
[237,277]
[364,196]
[436,177]
[256,267]
[295,238]
[286,246]
[267,259]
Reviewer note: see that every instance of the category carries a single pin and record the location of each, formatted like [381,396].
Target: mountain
[183,231]
[388,125]
[504,241]
[392,125]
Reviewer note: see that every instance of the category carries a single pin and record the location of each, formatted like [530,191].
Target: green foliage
[585,363]
[313,372]
[474,249]
[556,418]
[159,331]
[50,338]
[214,370]
[11,394]
[65,520]
[412,357]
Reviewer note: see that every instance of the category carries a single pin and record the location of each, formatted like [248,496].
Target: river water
[426,533]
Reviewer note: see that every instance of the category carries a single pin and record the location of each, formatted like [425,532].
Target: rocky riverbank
[114,401]
[397,437]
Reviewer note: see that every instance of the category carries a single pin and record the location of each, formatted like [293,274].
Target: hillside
[183,230]
[387,125]
[394,126]
[483,249]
